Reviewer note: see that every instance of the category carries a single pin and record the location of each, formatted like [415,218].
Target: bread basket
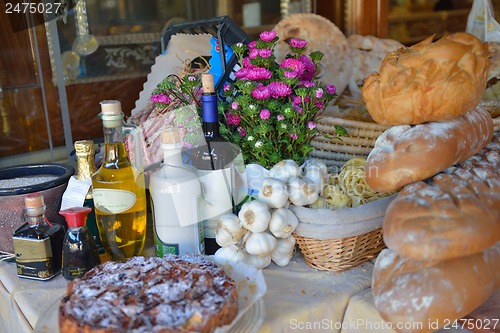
[336,151]
[336,240]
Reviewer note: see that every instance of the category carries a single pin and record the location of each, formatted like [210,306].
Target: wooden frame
[367,17]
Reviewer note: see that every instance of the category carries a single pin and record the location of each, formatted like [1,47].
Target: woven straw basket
[335,152]
[341,253]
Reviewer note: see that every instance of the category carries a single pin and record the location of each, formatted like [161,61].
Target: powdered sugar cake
[170,294]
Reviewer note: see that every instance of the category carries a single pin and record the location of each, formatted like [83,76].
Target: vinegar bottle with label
[214,164]
[118,187]
[177,201]
[38,243]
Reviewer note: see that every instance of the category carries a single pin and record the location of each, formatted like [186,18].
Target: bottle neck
[209,115]
[172,157]
[85,167]
[35,216]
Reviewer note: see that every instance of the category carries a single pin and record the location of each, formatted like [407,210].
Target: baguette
[416,298]
[405,154]
[453,214]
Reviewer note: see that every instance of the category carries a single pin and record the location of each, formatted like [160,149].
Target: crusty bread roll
[453,214]
[416,298]
[406,154]
[428,81]
[321,35]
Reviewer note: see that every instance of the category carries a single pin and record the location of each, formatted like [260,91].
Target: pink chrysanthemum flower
[319,93]
[234,105]
[319,104]
[246,63]
[280,117]
[294,65]
[294,136]
[308,84]
[242,131]
[308,73]
[279,89]
[233,119]
[259,73]
[311,125]
[253,53]
[252,45]
[265,114]
[261,93]
[330,88]
[265,53]
[226,87]
[242,73]
[298,43]
[267,36]
[290,74]
[160,98]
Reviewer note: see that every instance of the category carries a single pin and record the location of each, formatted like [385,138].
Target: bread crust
[164,295]
[428,81]
[455,213]
[405,154]
[408,292]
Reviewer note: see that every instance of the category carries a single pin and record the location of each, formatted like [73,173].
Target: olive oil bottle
[118,187]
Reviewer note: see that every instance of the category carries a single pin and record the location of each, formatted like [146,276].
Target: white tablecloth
[298,297]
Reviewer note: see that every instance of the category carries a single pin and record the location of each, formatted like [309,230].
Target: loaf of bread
[429,81]
[453,214]
[416,298]
[405,154]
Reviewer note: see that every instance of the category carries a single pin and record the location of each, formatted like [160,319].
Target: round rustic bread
[163,295]
[321,35]
[429,81]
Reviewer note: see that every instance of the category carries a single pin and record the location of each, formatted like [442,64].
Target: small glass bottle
[177,201]
[38,243]
[79,252]
[119,186]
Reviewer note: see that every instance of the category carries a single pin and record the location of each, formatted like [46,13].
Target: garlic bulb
[283,223]
[320,163]
[284,170]
[260,243]
[254,216]
[283,252]
[314,172]
[230,253]
[302,191]
[273,192]
[229,230]
[258,262]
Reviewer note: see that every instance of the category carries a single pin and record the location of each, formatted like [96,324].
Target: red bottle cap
[75,216]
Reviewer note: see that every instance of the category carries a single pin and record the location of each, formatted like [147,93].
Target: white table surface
[297,297]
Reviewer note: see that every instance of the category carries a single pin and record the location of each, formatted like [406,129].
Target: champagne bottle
[177,201]
[85,168]
[214,164]
[119,189]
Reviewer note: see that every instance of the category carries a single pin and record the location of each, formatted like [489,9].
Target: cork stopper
[34,200]
[207,83]
[170,135]
[84,147]
[111,107]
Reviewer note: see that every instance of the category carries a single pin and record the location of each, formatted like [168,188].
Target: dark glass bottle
[213,162]
[79,252]
[38,243]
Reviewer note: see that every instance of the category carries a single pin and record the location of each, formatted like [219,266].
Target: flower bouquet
[271,108]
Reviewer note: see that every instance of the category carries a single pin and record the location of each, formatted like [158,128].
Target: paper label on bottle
[217,192]
[113,201]
[75,193]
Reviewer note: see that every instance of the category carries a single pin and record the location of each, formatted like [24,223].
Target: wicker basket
[342,253]
[335,152]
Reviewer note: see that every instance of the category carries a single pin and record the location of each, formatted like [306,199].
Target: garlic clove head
[231,253]
[258,262]
[302,191]
[260,243]
[254,216]
[283,252]
[284,170]
[231,223]
[283,223]
[273,192]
